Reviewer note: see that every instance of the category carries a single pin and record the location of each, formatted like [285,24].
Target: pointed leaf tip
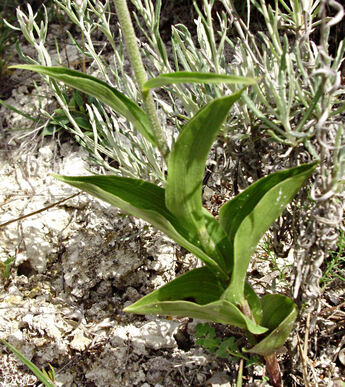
[195,294]
[100,90]
[185,174]
[248,216]
[146,201]
[279,315]
[195,77]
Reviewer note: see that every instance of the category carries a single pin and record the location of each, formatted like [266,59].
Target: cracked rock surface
[77,265]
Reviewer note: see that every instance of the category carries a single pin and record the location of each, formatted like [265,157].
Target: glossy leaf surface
[254,303]
[195,77]
[279,314]
[195,294]
[100,90]
[220,241]
[186,168]
[143,200]
[248,216]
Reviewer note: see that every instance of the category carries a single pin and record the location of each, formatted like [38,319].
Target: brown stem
[273,370]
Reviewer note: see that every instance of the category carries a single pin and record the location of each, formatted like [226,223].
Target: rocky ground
[78,263]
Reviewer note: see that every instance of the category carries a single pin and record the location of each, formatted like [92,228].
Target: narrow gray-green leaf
[32,367]
[248,216]
[146,201]
[195,77]
[6,105]
[195,294]
[279,314]
[100,90]
[186,169]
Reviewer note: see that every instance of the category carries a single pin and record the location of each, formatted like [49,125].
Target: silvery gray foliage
[292,116]
[320,233]
[110,138]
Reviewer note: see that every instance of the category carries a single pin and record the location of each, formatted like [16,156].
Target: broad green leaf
[146,201]
[197,285]
[248,216]
[220,240]
[195,294]
[100,90]
[40,375]
[195,77]
[83,122]
[254,303]
[81,119]
[279,314]
[186,168]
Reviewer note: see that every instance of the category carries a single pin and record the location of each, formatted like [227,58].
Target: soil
[77,264]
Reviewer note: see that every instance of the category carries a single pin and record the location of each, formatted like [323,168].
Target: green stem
[140,73]
[240,374]
[235,293]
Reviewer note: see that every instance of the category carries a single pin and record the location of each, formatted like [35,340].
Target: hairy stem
[140,73]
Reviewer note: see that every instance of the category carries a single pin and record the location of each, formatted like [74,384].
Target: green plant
[224,348]
[5,267]
[217,291]
[77,107]
[50,373]
[224,247]
[269,255]
[335,263]
[43,376]
[110,139]
[7,36]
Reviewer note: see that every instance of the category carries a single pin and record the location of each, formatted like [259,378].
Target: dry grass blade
[38,211]
[304,360]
